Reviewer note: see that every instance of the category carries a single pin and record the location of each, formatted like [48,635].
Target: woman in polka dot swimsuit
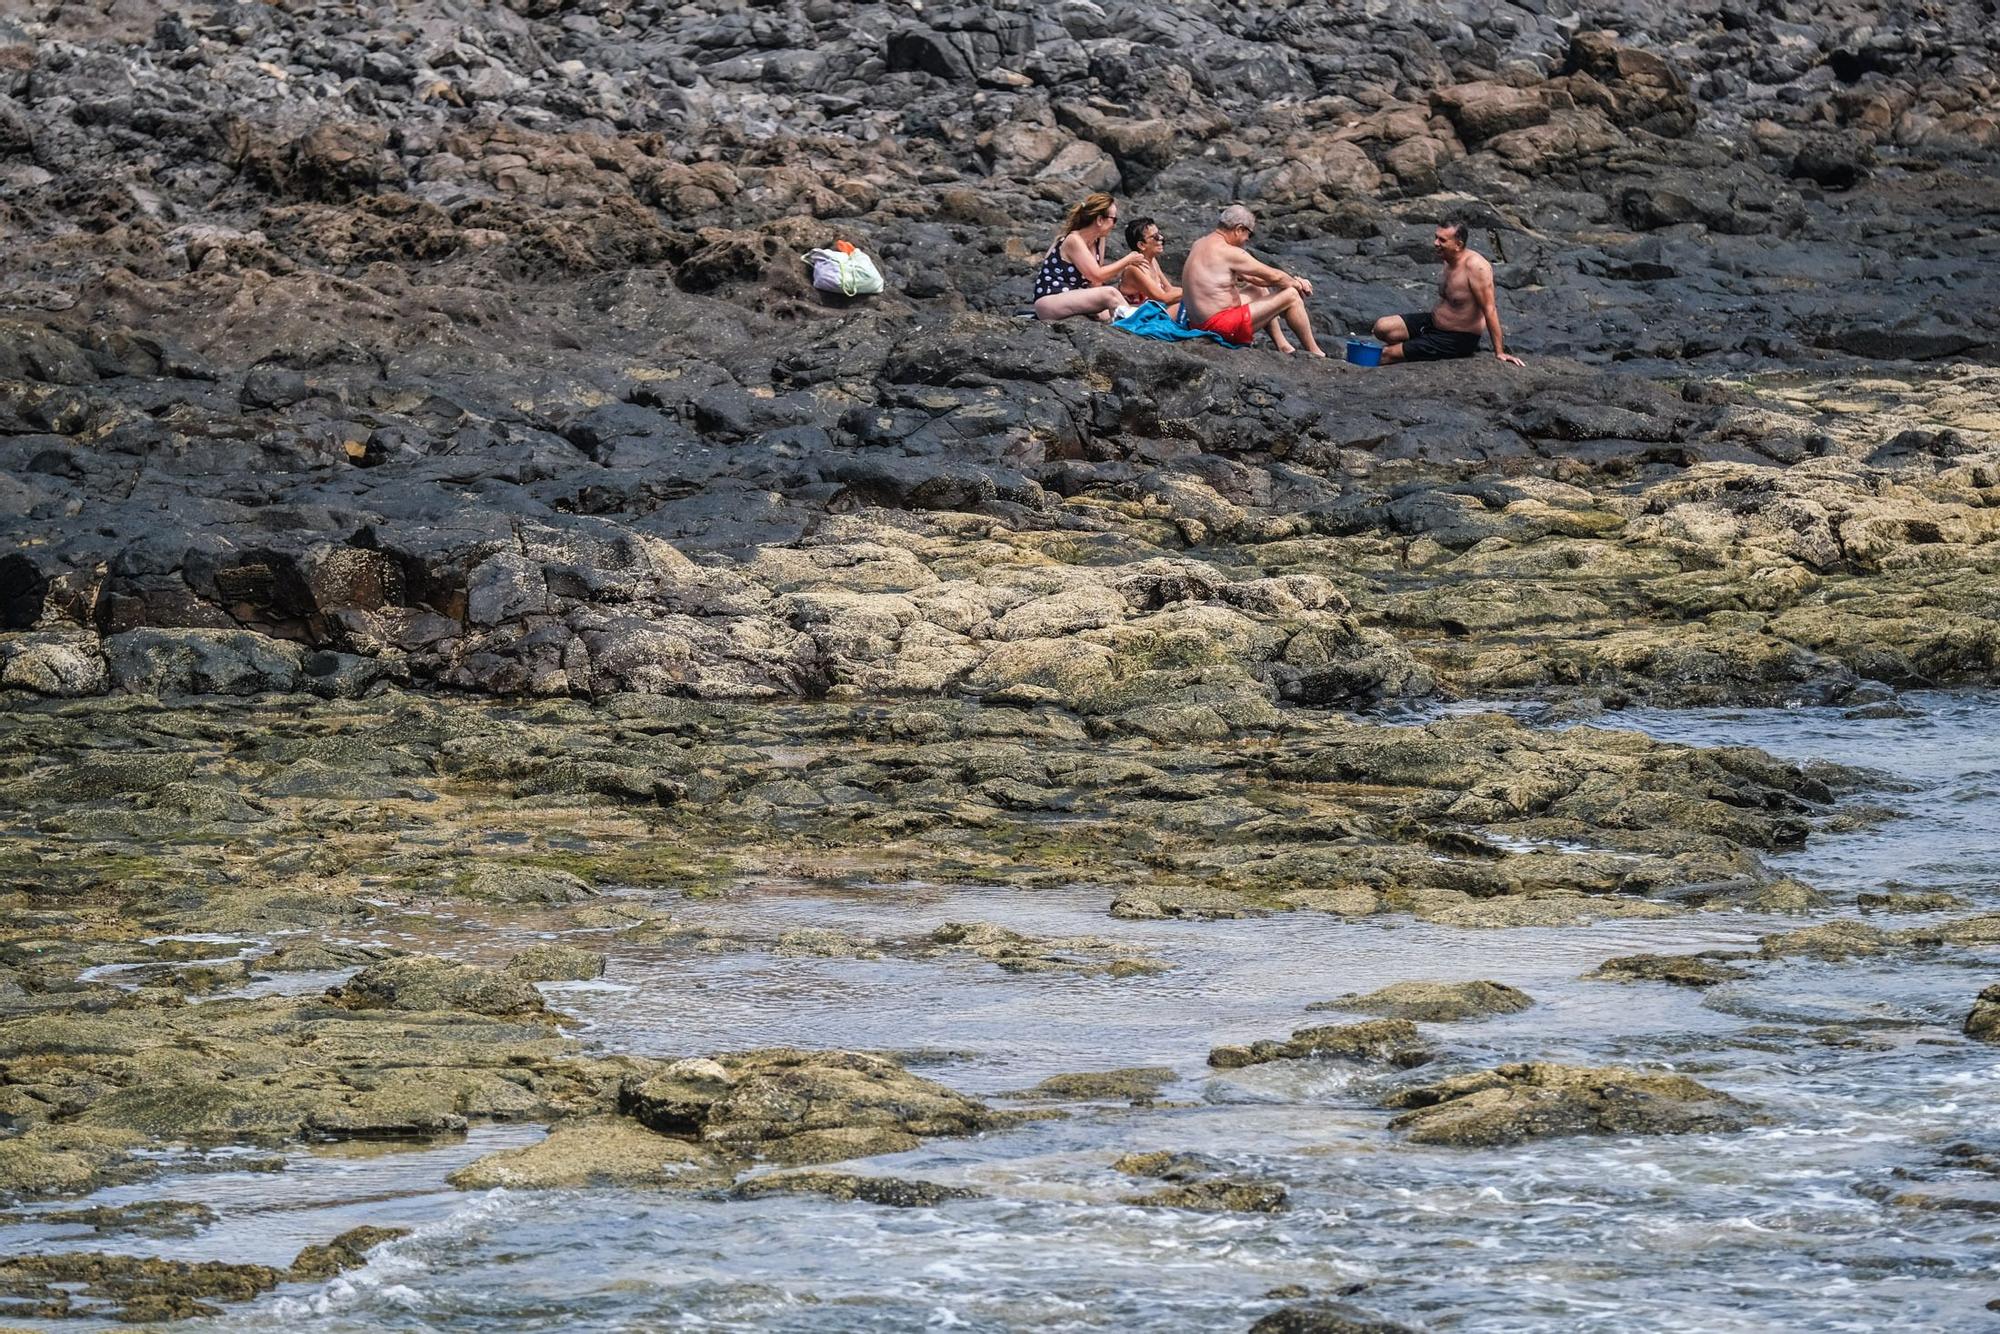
[1074,278]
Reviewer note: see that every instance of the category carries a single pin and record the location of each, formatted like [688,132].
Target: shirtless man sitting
[1465,305]
[1218,267]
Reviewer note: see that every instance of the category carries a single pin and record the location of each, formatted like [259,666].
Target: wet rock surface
[1533,1100]
[1984,1020]
[801,1107]
[1327,1318]
[1393,1041]
[1680,970]
[1196,1183]
[605,1151]
[1140,1084]
[126,1288]
[889,1192]
[1435,1002]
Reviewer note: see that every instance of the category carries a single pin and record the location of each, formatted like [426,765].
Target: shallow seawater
[1858,1067]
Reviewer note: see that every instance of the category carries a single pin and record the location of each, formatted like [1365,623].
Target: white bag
[848,275]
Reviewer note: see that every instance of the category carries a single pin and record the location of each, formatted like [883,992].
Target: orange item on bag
[843,247]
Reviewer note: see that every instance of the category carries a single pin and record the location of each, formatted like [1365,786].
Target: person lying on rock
[1073,275]
[1217,271]
[1466,303]
[1147,281]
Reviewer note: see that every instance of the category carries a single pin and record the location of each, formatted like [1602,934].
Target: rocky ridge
[471,350]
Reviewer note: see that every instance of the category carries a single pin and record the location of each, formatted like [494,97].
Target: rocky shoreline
[435,511]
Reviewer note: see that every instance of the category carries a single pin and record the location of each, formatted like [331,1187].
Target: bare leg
[1289,306]
[1275,327]
[1097,301]
[1392,333]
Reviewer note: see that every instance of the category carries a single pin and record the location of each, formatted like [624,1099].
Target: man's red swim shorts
[1233,324]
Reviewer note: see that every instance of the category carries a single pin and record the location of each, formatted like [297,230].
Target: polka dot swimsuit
[1057,274]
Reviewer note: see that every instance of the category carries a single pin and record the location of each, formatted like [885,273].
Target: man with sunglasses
[1217,271]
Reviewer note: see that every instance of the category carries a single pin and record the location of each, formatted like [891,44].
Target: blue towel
[1152,321]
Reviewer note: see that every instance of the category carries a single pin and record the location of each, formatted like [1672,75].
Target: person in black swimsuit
[1466,305]
[1073,278]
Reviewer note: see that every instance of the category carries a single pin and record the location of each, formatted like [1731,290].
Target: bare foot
[1285,347]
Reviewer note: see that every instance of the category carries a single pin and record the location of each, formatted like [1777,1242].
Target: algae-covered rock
[1199,1183]
[803,1107]
[1909,901]
[1434,1002]
[1223,1195]
[1137,1084]
[1537,1100]
[349,1250]
[1327,1318]
[1983,929]
[602,1151]
[63,1160]
[141,1218]
[510,883]
[1020,953]
[824,943]
[890,1192]
[424,982]
[553,961]
[1543,910]
[1831,941]
[134,1289]
[1393,1041]
[1983,1022]
[318,956]
[1681,970]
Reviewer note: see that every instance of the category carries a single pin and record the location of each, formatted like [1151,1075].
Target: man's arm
[1248,268]
[1489,304]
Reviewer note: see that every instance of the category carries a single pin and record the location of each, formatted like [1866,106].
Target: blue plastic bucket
[1364,352]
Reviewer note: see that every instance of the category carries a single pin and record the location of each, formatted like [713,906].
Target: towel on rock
[1152,321]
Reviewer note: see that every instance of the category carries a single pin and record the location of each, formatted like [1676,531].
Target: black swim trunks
[1427,342]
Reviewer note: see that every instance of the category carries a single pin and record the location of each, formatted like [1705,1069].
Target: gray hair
[1237,216]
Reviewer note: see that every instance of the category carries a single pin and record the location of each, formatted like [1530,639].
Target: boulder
[1681,970]
[1388,1040]
[349,1250]
[1983,1022]
[1199,1184]
[1638,89]
[600,1151]
[424,982]
[841,1187]
[1327,1318]
[62,665]
[1482,110]
[801,1107]
[202,662]
[506,882]
[1434,1002]
[1538,1100]
[553,961]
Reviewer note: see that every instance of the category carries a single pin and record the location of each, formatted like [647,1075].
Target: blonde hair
[1089,211]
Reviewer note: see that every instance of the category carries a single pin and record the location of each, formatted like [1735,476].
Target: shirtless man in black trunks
[1465,304]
